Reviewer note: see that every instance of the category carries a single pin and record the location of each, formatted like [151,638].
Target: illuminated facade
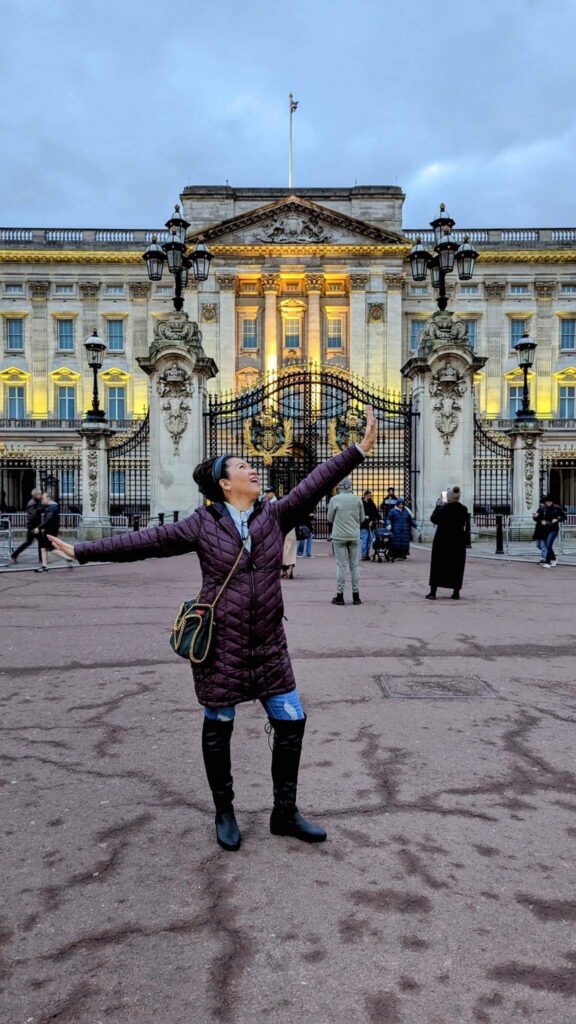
[319,275]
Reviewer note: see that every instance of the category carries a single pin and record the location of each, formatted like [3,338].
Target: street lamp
[95,349]
[525,349]
[180,261]
[445,254]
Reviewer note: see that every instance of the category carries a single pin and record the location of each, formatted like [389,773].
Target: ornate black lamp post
[95,349]
[525,350]
[180,262]
[441,260]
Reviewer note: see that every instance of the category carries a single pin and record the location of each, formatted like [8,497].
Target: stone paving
[439,755]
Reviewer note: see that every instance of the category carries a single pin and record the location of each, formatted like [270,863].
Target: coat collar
[223,518]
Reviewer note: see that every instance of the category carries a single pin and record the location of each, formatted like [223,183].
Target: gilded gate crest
[268,435]
[347,429]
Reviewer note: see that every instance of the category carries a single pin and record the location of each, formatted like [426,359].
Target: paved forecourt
[439,754]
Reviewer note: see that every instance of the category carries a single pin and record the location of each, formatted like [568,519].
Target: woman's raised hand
[369,439]
[62,547]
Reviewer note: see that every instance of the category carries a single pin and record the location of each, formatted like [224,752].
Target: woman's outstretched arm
[157,542]
[321,480]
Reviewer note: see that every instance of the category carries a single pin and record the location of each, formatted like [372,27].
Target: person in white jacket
[346,514]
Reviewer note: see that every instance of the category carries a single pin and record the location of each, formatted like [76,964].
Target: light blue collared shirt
[240,520]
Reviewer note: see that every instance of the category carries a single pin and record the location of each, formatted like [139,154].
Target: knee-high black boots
[216,751]
[286,819]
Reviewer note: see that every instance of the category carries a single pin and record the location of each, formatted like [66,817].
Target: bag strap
[229,576]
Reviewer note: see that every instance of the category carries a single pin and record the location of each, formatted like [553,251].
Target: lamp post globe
[200,260]
[525,352]
[155,258]
[466,257]
[95,349]
[442,223]
[419,260]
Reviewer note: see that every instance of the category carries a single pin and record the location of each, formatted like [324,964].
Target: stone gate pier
[179,370]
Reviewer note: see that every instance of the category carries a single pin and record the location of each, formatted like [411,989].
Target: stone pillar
[494,291]
[544,384]
[525,437]
[38,399]
[357,361]
[96,439]
[442,378]
[393,331]
[270,285]
[226,349]
[179,371]
[137,344]
[375,358]
[314,284]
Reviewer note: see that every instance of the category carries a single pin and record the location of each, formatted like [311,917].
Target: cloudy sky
[109,108]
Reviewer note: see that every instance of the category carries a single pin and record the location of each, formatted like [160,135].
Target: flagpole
[291,111]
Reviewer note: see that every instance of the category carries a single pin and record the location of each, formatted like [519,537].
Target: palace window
[567,333]
[515,392]
[567,403]
[117,403]
[517,328]
[66,403]
[568,289]
[14,334]
[16,409]
[115,329]
[468,289]
[415,290]
[64,289]
[249,334]
[518,289]
[114,289]
[334,333]
[65,335]
[416,328]
[14,289]
[292,333]
[164,289]
[117,484]
[472,332]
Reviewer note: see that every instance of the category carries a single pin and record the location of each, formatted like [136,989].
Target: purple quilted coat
[250,657]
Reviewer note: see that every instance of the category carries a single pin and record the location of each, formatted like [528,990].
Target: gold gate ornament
[268,436]
[346,430]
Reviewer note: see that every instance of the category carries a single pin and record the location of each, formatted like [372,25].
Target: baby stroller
[381,542]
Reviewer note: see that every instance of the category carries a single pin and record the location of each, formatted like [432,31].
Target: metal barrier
[5,538]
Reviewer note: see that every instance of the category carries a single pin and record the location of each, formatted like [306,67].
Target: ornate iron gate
[129,475]
[492,475]
[56,470]
[293,421]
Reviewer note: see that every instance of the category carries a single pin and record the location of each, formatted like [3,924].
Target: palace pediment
[296,221]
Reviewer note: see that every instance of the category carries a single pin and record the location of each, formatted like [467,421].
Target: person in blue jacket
[400,524]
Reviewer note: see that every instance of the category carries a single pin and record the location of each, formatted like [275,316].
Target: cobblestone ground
[446,891]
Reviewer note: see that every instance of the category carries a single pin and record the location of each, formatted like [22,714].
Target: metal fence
[493,461]
[56,470]
[129,475]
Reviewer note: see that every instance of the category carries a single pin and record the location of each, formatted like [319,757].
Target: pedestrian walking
[346,513]
[305,535]
[370,517]
[289,555]
[550,515]
[539,534]
[33,516]
[400,524]
[388,504]
[249,658]
[49,524]
[449,545]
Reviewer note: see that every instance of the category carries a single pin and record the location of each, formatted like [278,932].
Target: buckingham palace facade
[317,275]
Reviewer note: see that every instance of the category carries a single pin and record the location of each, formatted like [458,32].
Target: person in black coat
[33,516]
[449,545]
[49,525]
[550,515]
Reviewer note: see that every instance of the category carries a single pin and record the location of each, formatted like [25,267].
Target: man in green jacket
[346,513]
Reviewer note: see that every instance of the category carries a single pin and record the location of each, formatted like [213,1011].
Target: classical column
[494,291]
[137,344]
[525,437]
[442,377]
[393,331]
[40,348]
[179,370]
[357,358]
[226,332]
[270,285]
[88,322]
[314,284]
[376,357]
[96,439]
[543,332]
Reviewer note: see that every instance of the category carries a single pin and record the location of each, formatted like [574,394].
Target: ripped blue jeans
[285,706]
